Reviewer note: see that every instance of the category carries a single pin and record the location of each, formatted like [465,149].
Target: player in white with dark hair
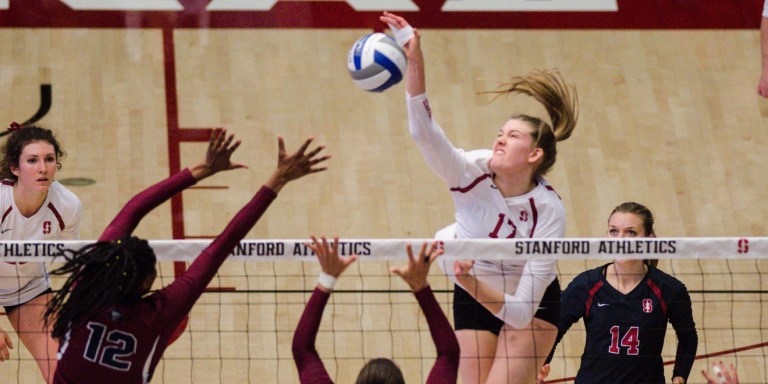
[499,193]
[33,207]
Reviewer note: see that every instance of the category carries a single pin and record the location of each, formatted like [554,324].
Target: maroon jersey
[311,368]
[124,343]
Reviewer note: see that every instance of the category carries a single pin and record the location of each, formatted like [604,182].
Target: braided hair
[100,275]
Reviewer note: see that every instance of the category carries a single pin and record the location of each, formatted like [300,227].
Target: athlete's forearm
[135,209]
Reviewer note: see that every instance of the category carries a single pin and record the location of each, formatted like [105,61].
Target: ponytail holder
[15,127]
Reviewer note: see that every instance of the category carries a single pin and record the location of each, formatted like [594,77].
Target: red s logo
[46,227]
[523,216]
[743,246]
[647,305]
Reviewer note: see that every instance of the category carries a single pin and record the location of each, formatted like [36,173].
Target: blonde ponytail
[558,98]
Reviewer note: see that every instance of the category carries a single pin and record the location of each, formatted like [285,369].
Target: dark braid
[100,275]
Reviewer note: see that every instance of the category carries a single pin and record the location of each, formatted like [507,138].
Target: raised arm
[308,363]
[409,38]
[446,367]
[217,159]
[441,156]
[184,291]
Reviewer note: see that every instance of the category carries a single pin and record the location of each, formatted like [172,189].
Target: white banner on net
[477,249]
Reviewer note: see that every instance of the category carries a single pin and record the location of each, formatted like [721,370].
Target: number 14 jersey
[625,333]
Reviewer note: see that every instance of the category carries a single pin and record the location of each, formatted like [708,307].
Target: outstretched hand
[721,374]
[328,256]
[416,271]
[293,166]
[218,155]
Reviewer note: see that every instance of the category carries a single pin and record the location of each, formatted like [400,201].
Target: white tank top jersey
[765,9]
[482,212]
[57,219]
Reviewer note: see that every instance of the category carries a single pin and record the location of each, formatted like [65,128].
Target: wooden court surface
[668,118]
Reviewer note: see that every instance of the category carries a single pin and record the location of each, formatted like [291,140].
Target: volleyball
[376,62]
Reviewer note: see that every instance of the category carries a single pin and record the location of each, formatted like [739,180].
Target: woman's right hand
[412,47]
[295,165]
[328,256]
[5,345]
[461,269]
[415,81]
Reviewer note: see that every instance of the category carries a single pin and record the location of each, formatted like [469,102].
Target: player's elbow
[419,134]
[299,347]
[517,318]
[452,351]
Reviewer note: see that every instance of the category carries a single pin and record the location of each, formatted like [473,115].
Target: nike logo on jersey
[6,230]
[599,304]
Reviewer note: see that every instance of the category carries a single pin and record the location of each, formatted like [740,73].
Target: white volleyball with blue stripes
[376,62]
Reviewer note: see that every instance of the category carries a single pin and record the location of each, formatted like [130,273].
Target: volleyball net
[240,330]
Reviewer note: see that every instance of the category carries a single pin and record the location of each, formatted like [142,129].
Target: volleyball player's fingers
[315,151]
[349,260]
[397,271]
[423,255]
[543,373]
[335,248]
[304,146]
[391,18]
[404,271]
[315,247]
[280,148]
[726,373]
[409,251]
[710,379]
[214,136]
[434,252]
[318,160]
[735,374]
[5,345]
[231,148]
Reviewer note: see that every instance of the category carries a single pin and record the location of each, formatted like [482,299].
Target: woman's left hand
[416,271]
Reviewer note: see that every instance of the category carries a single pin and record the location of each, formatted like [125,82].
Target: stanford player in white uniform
[57,219]
[32,207]
[498,193]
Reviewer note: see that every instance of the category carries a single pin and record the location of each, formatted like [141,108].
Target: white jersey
[57,219]
[482,212]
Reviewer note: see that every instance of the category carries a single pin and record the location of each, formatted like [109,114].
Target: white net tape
[477,249]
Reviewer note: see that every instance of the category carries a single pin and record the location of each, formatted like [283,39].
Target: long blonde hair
[558,98]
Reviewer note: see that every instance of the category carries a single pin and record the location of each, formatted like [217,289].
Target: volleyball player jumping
[109,329]
[499,193]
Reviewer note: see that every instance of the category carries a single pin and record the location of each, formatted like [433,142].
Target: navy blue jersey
[625,333]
